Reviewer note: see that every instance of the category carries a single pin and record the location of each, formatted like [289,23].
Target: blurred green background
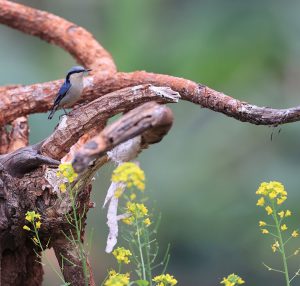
[204,174]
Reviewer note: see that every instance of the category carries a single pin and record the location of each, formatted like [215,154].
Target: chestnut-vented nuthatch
[70,91]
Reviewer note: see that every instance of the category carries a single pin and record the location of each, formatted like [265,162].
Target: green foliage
[139,232]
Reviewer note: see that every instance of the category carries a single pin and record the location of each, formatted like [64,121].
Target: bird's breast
[72,95]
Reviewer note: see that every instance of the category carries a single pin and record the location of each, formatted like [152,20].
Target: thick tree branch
[82,45]
[38,98]
[83,119]
[106,94]
[55,30]
[205,97]
[82,140]
[150,120]
[25,160]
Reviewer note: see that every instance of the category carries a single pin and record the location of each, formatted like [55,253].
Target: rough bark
[28,173]
[150,120]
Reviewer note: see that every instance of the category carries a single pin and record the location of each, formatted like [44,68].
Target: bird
[71,89]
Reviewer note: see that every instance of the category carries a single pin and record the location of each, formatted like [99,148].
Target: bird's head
[76,72]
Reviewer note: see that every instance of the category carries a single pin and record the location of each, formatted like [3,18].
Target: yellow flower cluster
[122,254]
[232,280]
[273,190]
[66,171]
[275,246]
[136,211]
[117,279]
[165,280]
[283,214]
[34,218]
[130,174]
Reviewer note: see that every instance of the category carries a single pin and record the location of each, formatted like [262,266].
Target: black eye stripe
[72,72]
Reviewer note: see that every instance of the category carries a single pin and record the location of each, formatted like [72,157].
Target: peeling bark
[150,120]
[28,178]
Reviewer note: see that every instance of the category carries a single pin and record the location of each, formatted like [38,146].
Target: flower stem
[46,257]
[285,265]
[141,251]
[78,233]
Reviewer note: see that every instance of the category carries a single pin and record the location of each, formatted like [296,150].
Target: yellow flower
[37,215]
[26,227]
[165,280]
[132,197]
[283,227]
[137,210]
[38,224]
[272,195]
[274,190]
[262,190]
[281,200]
[264,231]
[288,213]
[121,254]
[232,280]
[130,174]
[295,233]
[269,210]
[275,246]
[281,214]
[35,240]
[62,187]
[128,220]
[261,202]
[147,221]
[262,223]
[117,279]
[66,170]
[31,216]
[118,192]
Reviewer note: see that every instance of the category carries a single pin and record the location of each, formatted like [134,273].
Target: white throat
[76,79]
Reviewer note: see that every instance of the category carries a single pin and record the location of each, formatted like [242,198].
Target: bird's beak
[88,70]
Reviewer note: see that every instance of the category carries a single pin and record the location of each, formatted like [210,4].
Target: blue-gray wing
[62,92]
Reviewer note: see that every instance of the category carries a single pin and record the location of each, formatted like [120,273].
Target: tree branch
[55,30]
[38,98]
[205,97]
[83,119]
[150,120]
[84,48]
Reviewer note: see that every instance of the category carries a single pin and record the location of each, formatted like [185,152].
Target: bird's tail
[54,108]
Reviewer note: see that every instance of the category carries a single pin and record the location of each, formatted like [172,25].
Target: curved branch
[83,119]
[206,97]
[53,29]
[82,45]
[38,98]
[150,120]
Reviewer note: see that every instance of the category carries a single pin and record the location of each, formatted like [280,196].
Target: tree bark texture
[28,173]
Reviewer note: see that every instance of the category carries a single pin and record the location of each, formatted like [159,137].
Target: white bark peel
[122,153]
